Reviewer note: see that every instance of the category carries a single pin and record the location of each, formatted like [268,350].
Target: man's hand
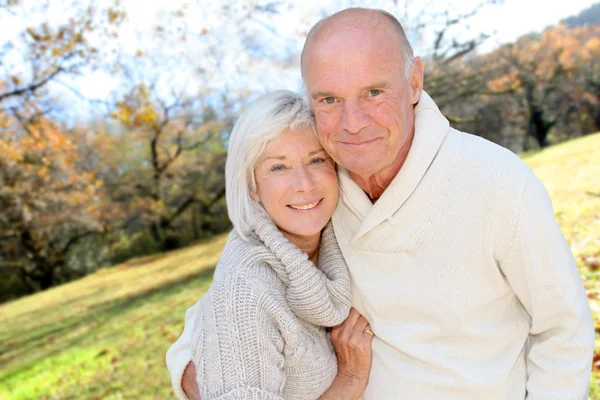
[189,384]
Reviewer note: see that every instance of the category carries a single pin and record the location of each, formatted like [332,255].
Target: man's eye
[374,92]
[328,100]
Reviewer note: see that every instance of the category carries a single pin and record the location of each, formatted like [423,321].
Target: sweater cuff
[179,363]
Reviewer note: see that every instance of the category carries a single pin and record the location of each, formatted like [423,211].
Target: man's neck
[374,185]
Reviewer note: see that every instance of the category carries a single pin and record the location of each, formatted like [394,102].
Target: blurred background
[114,120]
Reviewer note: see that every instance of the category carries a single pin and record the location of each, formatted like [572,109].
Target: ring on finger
[370,332]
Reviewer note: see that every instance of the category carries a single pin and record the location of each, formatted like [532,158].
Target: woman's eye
[328,100]
[374,92]
[277,168]
[318,160]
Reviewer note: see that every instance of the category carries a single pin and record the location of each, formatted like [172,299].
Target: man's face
[362,100]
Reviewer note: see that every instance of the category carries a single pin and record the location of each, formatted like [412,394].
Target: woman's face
[297,184]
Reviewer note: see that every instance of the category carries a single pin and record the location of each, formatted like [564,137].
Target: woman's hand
[189,384]
[352,342]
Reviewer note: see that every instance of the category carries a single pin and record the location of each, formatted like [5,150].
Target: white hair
[265,119]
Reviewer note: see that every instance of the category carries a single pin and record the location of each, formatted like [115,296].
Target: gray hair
[265,119]
[407,50]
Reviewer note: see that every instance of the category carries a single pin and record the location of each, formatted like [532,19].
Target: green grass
[571,173]
[105,336]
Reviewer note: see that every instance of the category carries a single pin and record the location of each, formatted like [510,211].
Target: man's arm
[540,268]
[179,356]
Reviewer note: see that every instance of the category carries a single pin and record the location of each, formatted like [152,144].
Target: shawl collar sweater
[464,275]
[261,326]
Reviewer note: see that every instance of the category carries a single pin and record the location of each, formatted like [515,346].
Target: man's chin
[361,166]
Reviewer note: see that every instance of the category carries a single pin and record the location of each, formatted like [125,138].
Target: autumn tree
[182,152]
[549,73]
[49,201]
[586,82]
[42,54]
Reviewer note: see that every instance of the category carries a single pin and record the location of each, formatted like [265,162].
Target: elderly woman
[261,331]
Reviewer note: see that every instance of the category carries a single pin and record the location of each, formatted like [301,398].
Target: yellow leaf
[43,172]
[32,33]
[26,213]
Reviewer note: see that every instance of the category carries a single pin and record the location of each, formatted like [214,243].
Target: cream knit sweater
[260,327]
[457,267]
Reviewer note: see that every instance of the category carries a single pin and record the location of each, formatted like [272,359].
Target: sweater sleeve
[179,354]
[540,268]
[238,347]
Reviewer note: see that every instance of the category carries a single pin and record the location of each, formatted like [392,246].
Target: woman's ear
[254,196]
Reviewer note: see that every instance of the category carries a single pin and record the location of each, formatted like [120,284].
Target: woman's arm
[178,360]
[237,348]
[352,345]
[189,384]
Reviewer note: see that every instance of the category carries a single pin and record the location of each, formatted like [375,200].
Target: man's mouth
[359,142]
[306,206]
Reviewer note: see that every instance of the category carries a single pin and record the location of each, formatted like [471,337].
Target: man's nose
[354,117]
[302,180]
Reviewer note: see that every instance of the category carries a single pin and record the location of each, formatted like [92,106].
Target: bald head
[368,21]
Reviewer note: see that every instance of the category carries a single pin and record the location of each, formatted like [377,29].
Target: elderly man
[455,256]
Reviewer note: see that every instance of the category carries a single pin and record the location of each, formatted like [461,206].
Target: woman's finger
[347,328]
[353,317]
[361,324]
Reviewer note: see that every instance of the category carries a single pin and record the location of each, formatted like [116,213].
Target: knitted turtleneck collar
[320,296]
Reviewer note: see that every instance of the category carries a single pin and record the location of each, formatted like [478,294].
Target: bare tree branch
[73,240]
[32,87]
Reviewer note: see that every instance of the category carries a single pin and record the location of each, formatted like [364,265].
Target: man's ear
[416,80]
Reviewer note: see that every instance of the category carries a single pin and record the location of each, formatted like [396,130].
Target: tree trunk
[195,223]
[158,235]
[46,279]
[539,127]
[29,283]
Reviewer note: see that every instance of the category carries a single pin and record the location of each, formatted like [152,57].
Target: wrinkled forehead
[350,49]
[346,66]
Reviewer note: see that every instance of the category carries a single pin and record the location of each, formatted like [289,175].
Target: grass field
[105,336]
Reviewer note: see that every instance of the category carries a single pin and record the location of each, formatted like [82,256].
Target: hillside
[104,336]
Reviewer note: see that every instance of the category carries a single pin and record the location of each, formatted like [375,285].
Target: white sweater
[459,267]
[259,332]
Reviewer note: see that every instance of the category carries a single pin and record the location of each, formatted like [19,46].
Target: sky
[507,21]
[276,36]
[517,17]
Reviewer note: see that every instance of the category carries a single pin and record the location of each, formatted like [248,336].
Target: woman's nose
[302,180]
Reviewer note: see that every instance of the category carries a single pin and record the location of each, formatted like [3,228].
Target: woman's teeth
[305,207]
